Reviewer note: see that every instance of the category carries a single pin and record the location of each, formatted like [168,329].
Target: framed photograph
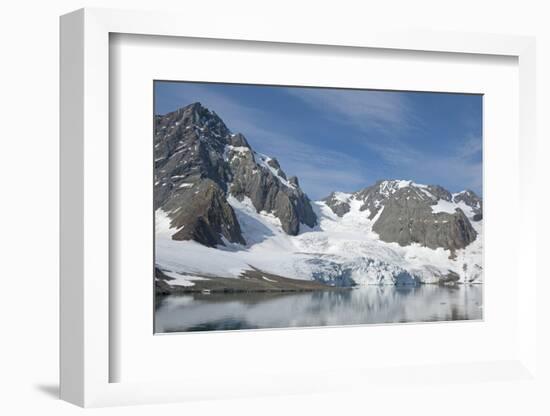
[332,202]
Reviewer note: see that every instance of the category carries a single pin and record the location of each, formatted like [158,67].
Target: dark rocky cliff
[199,163]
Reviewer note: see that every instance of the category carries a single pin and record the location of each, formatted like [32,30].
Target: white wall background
[29,203]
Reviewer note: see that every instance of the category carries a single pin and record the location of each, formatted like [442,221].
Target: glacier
[339,250]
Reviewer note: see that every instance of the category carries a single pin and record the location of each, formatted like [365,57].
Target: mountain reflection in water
[364,305]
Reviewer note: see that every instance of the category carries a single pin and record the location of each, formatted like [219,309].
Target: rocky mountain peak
[469,198]
[375,197]
[238,140]
[406,212]
[199,163]
[194,115]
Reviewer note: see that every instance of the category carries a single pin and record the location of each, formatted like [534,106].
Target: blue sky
[345,140]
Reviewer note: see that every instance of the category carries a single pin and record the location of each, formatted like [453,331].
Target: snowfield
[338,251]
[450,207]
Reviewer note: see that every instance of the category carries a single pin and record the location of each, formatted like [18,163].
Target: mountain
[199,163]
[224,211]
[405,212]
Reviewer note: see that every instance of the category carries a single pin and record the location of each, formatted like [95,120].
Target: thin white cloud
[461,169]
[470,147]
[383,110]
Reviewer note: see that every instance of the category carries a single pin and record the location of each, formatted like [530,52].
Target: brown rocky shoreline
[253,280]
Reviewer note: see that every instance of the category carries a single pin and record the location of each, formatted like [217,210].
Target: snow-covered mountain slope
[408,212]
[340,250]
[223,208]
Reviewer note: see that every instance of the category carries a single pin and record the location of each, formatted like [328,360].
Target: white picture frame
[86,265]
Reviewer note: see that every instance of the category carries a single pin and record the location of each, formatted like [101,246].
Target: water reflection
[365,305]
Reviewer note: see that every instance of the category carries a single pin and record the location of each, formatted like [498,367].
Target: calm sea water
[365,305]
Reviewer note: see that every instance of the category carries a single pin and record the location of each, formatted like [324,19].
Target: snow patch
[388,188]
[179,279]
[263,160]
[451,207]
[341,196]
[162,223]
